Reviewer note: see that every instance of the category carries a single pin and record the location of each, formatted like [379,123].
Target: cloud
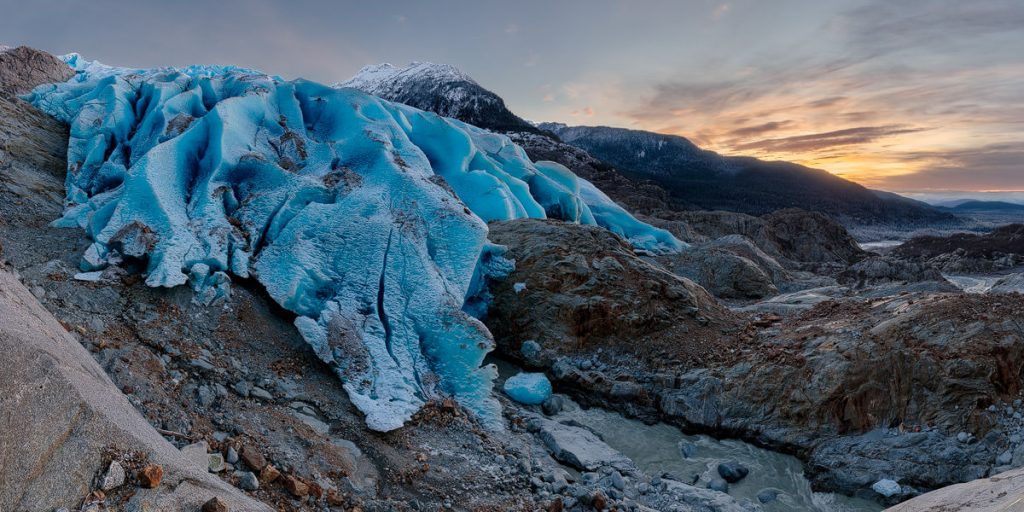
[827,102]
[750,131]
[720,10]
[883,26]
[989,167]
[827,140]
[585,112]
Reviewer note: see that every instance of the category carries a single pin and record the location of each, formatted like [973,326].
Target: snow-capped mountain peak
[440,88]
[384,76]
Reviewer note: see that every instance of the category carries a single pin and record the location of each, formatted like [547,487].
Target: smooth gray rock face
[59,412]
[999,493]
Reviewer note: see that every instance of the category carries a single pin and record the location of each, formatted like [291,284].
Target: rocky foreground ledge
[1000,493]
[62,421]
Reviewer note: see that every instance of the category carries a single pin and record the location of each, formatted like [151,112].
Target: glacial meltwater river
[655,449]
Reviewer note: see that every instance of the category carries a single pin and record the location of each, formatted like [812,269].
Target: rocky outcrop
[883,269]
[812,237]
[23,68]
[1001,249]
[730,267]
[60,415]
[797,239]
[30,141]
[582,288]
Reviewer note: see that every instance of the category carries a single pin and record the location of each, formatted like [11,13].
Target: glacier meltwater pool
[655,449]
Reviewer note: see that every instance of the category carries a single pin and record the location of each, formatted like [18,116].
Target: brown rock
[556,505]
[215,505]
[598,501]
[269,473]
[252,457]
[315,490]
[151,475]
[335,498]
[296,486]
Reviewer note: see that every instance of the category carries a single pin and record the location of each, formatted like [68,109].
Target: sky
[924,97]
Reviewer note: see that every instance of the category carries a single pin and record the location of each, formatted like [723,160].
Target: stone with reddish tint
[151,475]
[252,457]
[296,486]
[269,473]
[215,505]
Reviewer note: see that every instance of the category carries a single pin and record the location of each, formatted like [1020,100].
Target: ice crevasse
[366,218]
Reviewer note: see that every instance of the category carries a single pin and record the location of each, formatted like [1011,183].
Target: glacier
[368,219]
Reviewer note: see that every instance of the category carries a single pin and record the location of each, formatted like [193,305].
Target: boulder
[732,471]
[579,447]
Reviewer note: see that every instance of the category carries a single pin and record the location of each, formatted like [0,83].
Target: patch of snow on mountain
[377,77]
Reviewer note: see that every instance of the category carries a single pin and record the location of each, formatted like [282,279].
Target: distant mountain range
[977,206]
[686,176]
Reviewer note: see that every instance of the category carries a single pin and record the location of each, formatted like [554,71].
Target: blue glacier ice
[366,218]
[528,388]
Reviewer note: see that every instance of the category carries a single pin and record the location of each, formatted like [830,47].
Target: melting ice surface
[364,217]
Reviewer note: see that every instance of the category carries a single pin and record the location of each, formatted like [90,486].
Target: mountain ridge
[702,179]
[977,205]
